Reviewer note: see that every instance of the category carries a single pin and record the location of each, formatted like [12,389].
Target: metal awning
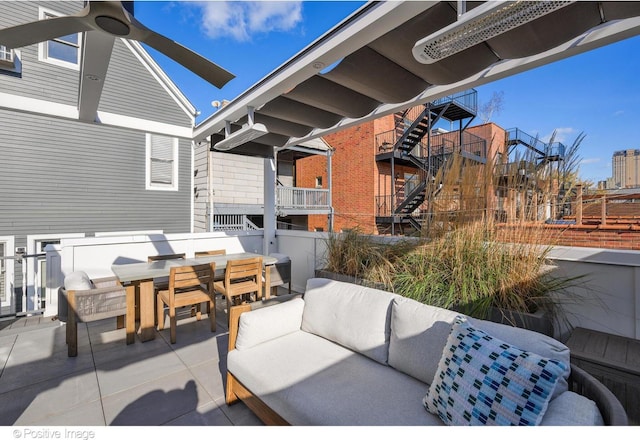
[365,67]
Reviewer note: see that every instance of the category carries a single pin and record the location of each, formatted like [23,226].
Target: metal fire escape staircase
[407,144]
[543,152]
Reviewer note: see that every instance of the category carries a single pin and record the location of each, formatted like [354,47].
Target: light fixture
[247,133]
[479,25]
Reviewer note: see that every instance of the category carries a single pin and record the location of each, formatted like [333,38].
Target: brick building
[382,178]
[388,173]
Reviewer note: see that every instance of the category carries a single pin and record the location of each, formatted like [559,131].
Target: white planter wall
[609,299]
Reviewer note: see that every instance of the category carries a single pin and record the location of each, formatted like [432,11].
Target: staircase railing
[555,149]
[515,136]
[467,99]
[412,200]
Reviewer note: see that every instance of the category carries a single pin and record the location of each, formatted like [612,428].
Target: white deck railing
[609,301]
[289,197]
[233,222]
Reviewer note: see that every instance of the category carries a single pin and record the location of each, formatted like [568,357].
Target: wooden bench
[613,360]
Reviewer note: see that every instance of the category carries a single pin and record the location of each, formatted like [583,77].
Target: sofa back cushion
[419,333]
[265,324]
[353,316]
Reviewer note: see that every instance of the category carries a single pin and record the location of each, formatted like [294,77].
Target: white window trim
[42,46]
[14,65]
[158,186]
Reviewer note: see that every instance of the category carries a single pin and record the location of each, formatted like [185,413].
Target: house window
[319,182]
[62,51]
[162,162]
[10,60]
[6,55]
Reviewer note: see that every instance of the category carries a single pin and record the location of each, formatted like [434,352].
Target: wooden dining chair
[212,252]
[153,258]
[188,286]
[162,283]
[242,278]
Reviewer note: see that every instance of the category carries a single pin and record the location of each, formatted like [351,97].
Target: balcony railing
[467,99]
[233,222]
[302,198]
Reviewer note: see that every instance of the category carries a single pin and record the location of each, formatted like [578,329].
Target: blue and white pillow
[482,380]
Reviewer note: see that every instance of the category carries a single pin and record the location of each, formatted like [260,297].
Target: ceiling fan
[113,18]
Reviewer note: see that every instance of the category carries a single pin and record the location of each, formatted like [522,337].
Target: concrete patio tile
[6,345]
[208,414]
[34,360]
[212,375]
[239,414]
[117,376]
[188,326]
[86,414]
[108,350]
[197,350]
[156,402]
[54,339]
[109,382]
[32,404]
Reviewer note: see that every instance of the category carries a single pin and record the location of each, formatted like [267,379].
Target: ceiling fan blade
[96,54]
[43,30]
[198,64]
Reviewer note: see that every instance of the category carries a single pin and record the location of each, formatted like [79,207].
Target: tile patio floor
[111,383]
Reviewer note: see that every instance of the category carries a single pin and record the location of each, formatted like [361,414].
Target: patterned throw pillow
[482,380]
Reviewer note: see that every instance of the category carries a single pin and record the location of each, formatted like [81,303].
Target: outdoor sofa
[347,355]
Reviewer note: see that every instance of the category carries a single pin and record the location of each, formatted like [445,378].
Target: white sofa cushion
[482,380]
[309,380]
[571,409]
[354,316]
[418,335]
[77,280]
[268,323]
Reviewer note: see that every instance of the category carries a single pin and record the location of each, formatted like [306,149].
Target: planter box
[538,322]
[321,273]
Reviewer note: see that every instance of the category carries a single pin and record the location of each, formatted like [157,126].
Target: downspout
[210,186]
[269,212]
[330,185]
[393,190]
[192,202]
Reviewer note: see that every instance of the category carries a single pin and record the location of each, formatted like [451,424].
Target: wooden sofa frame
[580,381]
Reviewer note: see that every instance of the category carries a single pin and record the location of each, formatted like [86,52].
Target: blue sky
[596,93]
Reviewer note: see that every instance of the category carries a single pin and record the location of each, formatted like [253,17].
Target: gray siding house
[229,189]
[130,170]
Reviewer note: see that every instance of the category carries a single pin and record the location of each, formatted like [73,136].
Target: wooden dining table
[137,278]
